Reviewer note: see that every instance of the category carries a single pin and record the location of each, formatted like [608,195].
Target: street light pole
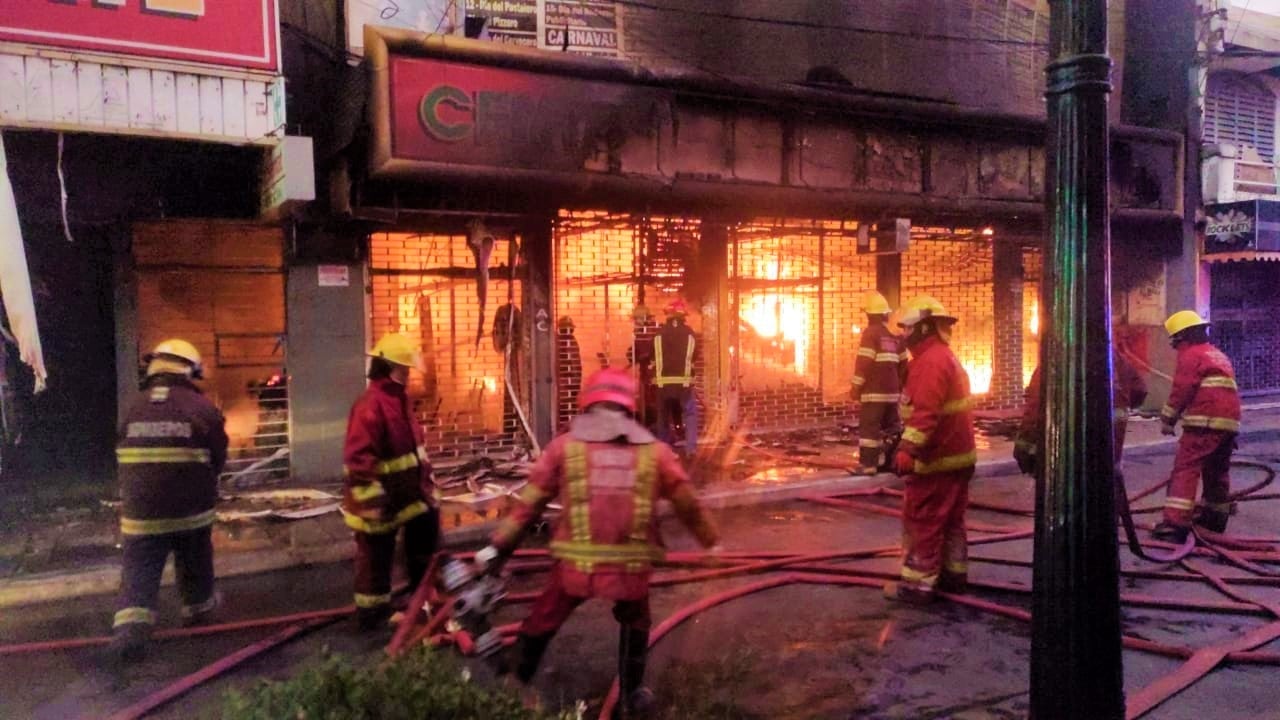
[1076,670]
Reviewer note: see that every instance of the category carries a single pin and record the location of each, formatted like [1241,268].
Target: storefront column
[717,318]
[1006,285]
[889,272]
[326,363]
[538,260]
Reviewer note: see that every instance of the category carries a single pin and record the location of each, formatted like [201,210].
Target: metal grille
[1245,300]
[1239,112]
[263,458]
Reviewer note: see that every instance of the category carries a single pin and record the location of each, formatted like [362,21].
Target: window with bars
[1240,112]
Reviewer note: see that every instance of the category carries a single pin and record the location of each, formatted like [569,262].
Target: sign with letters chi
[235,33]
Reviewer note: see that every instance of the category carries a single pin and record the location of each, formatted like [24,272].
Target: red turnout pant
[554,606]
[1202,453]
[933,535]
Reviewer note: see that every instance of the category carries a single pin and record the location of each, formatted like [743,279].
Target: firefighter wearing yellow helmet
[878,372]
[1205,398]
[936,457]
[172,447]
[387,480]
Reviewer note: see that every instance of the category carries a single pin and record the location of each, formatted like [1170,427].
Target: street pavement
[791,652]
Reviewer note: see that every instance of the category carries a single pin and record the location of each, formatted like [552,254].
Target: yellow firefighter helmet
[1183,320]
[397,349]
[924,307]
[873,303]
[175,355]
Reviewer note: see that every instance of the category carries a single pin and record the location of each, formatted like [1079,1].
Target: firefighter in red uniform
[879,372]
[388,482]
[936,458]
[172,446]
[608,472]
[673,353]
[1205,398]
[1128,392]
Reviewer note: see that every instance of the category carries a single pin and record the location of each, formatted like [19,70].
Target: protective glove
[903,464]
[1166,428]
[486,561]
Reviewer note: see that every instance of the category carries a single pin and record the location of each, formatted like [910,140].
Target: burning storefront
[611,192]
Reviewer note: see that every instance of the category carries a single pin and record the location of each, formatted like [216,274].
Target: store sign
[237,33]
[1240,226]
[588,27]
[475,115]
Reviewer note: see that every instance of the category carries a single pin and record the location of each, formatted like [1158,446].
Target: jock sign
[237,33]
[473,115]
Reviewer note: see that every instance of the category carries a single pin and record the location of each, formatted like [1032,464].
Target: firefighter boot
[634,699]
[953,582]
[129,644]
[373,618]
[910,594]
[1211,519]
[1168,532]
[529,652]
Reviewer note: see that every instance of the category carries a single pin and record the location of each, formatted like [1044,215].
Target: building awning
[1244,230]
[1250,255]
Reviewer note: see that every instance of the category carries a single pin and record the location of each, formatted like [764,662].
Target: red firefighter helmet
[676,307]
[609,385]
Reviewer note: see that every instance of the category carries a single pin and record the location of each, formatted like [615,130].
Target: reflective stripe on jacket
[673,355]
[938,431]
[881,365]
[172,446]
[1204,393]
[606,538]
[387,477]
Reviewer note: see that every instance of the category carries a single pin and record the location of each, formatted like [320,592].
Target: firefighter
[877,382]
[607,472]
[388,483]
[1205,398]
[1128,391]
[673,349]
[172,447]
[936,458]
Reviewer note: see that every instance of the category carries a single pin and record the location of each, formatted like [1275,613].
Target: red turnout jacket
[1204,393]
[936,411]
[881,366]
[387,475]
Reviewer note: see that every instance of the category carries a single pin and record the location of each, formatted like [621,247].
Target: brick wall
[461,399]
[959,274]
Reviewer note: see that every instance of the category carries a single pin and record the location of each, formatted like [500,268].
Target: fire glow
[776,316]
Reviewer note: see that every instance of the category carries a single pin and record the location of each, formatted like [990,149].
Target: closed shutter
[1241,113]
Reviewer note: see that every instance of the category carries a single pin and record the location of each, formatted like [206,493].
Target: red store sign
[450,112]
[236,33]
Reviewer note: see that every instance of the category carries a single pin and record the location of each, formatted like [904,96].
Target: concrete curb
[102,580]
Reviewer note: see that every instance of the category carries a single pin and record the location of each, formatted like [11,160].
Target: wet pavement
[801,651]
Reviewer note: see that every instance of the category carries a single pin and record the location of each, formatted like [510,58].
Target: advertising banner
[235,33]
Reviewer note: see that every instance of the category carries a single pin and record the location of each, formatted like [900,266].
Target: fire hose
[818,568]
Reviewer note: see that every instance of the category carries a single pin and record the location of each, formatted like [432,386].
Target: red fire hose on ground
[1245,554]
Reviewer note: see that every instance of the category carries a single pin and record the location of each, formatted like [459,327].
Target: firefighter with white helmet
[172,446]
[879,371]
[608,473]
[936,457]
[1205,398]
[388,483]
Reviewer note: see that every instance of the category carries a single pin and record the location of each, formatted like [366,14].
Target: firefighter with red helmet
[1205,398]
[172,447]
[388,483]
[608,473]
[879,372]
[673,353]
[936,458]
[1128,391]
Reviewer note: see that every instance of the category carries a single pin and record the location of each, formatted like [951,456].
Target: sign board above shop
[584,27]
[231,33]
[1248,225]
